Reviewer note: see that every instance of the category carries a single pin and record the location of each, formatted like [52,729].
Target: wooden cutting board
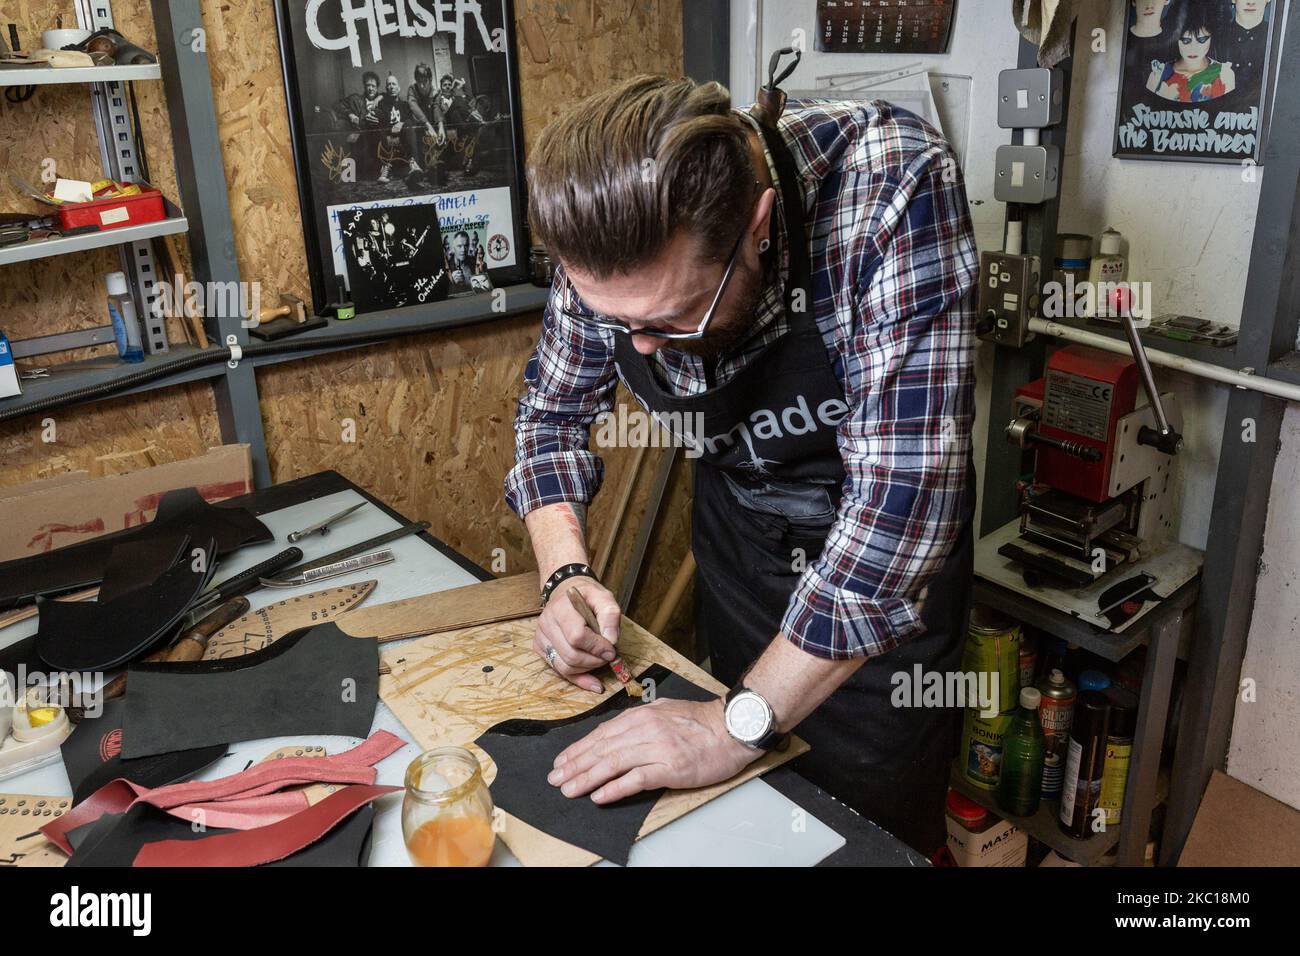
[448,688]
[502,599]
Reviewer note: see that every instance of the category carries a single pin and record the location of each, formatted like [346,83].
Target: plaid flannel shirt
[894,267]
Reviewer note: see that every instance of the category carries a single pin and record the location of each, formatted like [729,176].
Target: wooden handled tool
[190,645]
[620,669]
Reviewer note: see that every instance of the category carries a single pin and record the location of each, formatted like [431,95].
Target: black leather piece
[316,680]
[92,756]
[84,564]
[525,751]
[99,635]
[116,838]
[137,564]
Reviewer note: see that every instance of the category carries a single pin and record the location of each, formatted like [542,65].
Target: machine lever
[1162,437]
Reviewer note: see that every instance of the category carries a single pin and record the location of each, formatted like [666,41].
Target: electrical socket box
[1009,294]
[1026,174]
[1029,99]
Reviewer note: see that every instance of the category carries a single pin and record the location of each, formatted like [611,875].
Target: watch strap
[563,573]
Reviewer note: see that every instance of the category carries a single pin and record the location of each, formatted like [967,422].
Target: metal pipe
[1240,379]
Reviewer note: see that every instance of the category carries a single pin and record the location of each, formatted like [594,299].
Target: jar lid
[1111,243]
[965,809]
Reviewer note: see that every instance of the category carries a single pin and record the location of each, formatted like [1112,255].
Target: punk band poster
[406,138]
[1196,79]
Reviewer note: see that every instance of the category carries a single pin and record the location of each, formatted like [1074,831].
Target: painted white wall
[1189,228]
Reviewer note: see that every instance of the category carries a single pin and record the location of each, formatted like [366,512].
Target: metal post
[182,54]
[1012,368]
[1140,789]
[706,40]
[1247,458]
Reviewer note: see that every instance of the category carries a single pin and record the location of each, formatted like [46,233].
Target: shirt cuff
[552,478]
[832,623]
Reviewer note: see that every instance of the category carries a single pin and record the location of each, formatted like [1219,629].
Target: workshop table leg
[1153,713]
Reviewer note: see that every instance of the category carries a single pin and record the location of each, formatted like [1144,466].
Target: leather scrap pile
[143,598]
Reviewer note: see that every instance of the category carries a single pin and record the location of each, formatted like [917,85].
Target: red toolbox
[146,206]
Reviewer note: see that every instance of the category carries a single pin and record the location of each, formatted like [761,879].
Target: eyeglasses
[578,314]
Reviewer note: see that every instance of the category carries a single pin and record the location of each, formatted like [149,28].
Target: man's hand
[578,649]
[669,743]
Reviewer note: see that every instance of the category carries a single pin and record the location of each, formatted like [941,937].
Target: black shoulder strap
[796,233]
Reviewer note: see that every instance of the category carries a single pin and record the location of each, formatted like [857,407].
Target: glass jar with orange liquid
[447,812]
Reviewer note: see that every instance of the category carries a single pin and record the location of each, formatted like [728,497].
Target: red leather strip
[247,813]
[263,844]
[349,767]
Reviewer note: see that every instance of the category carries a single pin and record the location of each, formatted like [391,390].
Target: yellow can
[993,655]
[982,747]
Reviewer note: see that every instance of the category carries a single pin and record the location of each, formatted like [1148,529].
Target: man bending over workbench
[804,285]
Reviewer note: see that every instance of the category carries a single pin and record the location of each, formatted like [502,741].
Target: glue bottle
[126,326]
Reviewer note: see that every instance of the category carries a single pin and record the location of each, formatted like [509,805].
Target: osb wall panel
[122,434]
[433,414]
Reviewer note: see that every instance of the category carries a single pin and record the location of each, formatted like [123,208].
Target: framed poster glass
[1196,79]
[404,116]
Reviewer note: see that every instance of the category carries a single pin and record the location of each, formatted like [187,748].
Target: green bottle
[1020,786]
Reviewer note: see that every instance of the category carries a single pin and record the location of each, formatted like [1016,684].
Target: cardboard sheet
[1237,825]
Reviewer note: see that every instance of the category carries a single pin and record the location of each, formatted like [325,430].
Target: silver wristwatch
[749,718]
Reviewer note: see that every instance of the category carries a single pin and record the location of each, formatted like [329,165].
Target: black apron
[768,483]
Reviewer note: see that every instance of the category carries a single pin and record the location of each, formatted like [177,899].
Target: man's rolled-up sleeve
[906,439]
[570,381]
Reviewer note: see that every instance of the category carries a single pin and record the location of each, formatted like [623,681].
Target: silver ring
[550,654]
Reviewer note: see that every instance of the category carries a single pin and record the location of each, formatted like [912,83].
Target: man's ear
[760,221]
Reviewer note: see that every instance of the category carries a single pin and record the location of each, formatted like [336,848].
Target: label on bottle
[1114,779]
[1070,785]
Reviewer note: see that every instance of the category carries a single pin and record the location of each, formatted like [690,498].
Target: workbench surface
[780,820]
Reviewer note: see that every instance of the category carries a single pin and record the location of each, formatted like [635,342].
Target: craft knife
[241,583]
[617,665]
[298,571]
[323,528]
[346,566]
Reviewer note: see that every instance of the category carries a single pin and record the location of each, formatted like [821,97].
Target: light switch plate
[1026,174]
[1029,99]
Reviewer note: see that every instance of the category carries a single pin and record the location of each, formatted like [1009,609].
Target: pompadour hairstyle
[613,179]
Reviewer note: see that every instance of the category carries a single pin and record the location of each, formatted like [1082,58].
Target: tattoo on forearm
[575,516]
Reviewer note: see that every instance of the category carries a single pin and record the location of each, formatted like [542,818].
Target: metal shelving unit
[48,75]
[45,248]
[71,376]
[1222,610]
[187,86]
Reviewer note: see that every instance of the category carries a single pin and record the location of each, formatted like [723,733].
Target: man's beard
[734,320]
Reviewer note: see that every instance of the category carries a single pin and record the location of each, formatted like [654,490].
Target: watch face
[748,717]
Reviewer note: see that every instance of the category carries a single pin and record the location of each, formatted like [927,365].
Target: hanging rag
[1046,24]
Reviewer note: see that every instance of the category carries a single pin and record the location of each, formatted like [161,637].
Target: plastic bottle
[1107,269]
[1020,786]
[126,326]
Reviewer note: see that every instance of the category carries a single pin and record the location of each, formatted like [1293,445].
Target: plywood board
[448,688]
